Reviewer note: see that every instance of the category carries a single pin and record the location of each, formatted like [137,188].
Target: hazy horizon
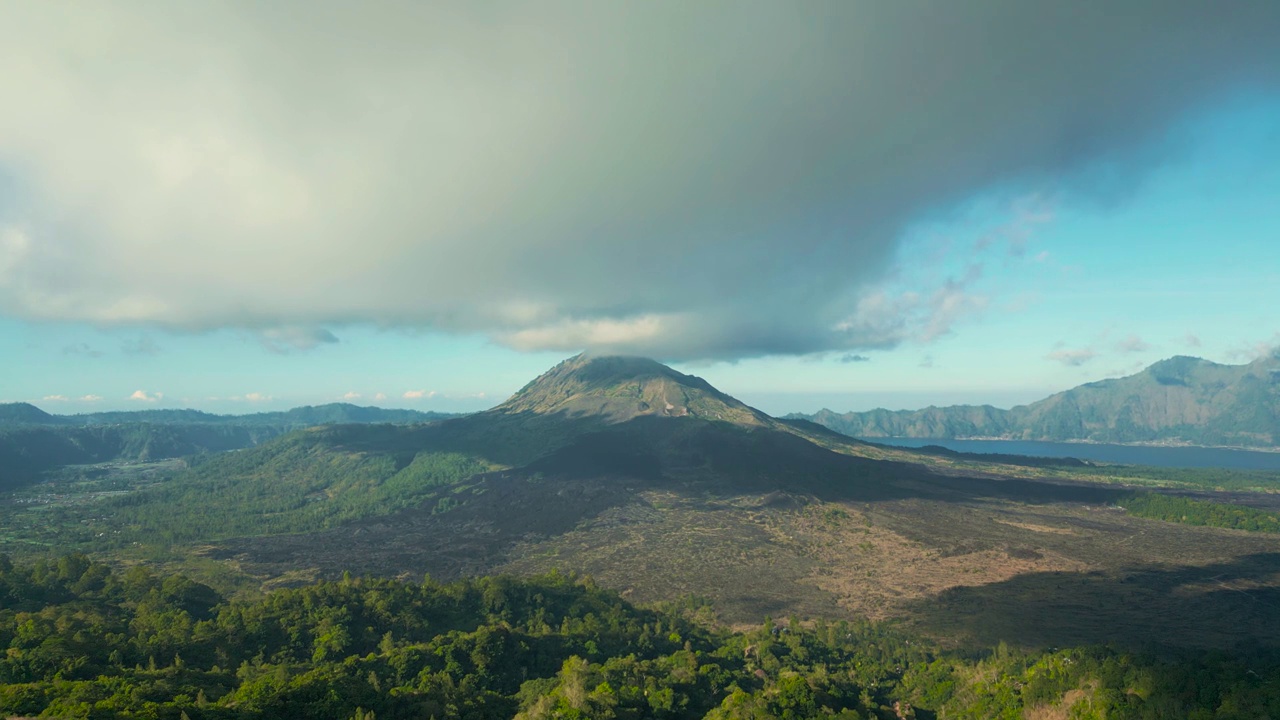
[773,403]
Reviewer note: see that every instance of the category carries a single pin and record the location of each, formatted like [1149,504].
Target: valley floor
[968,562]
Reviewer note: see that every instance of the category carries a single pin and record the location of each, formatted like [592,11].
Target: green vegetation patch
[82,641]
[1173,508]
[295,485]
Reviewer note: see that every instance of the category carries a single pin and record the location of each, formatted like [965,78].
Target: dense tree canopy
[82,640]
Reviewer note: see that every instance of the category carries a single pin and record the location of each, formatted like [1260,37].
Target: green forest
[83,640]
[1173,508]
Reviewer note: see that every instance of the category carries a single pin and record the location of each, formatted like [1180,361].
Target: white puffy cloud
[380,397]
[90,398]
[692,180]
[256,397]
[419,394]
[55,398]
[351,396]
[144,396]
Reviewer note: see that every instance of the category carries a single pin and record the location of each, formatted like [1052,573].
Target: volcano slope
[659,485]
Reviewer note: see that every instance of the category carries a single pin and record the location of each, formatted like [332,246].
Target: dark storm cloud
[693,180]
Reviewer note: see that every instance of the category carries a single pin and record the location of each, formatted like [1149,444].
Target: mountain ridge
[1178,400]
[33,441]
[24,413]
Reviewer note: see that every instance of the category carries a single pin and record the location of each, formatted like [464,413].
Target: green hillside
[306,481]
[27,451]
[33,442]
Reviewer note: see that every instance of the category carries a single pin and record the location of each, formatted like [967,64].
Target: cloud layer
[705,180]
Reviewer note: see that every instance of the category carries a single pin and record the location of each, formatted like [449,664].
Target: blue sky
[871,205]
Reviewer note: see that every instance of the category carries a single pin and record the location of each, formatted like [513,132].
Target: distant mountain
[587,395]
[25,414]
[184,416]
[306,416]
[342,413]
[1182,400]
[617,388]
[33,441]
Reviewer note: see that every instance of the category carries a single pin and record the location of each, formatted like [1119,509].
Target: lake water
[1129,454]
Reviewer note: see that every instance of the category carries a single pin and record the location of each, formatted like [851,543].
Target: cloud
[884,319]
[1260,350]
[701,180]
[848,358]
[1132,343]
[926,361]
[567,334]
[15,246]
[1029,212]
[1191,340]
[419,394]
[380,397]
[141,346]
[90,398]
[143,396]
[351,396]
[1072,358]
[55,398]
[286,339]
[255,397]
[83,350]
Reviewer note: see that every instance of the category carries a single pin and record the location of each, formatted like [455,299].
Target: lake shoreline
[1142,444]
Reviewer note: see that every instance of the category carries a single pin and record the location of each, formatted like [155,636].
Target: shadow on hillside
[725,457]
[505,438]
[1227,606]
[678,452]
[581,468]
